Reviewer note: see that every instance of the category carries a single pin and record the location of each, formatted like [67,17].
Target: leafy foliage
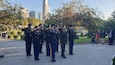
[78,14]
[34,21]
[110,23]
[9,15]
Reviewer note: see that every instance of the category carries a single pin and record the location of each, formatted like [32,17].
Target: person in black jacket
[52,43]
[103,36]
[47,38]
[36,42]
[63,40]
[28,39]
[71,39]
[111,37]
[57,37]
[41,36]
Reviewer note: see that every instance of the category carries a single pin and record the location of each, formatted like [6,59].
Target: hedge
[15,34]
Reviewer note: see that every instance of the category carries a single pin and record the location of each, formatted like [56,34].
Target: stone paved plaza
[85,54]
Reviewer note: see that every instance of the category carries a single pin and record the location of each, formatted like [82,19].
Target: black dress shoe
[1,56]
[71,54]
[53,60]
[37,59]
[110,44]
[57,51]
[41,51]
[63,57]
[29,55]
[48,55]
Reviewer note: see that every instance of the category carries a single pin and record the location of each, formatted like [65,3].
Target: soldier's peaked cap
[52,24]
[39,24]
[70,25]
[29,24]
[35,26]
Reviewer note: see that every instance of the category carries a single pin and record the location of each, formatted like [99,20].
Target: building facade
[39,16]
[32,14]
[45,10]
[24,12]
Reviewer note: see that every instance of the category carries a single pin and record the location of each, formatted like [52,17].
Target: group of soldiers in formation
[53,35]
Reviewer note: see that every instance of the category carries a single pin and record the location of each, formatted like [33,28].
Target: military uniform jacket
[35,36]
[71,34]
[52,36]
[28,33]
[63,36]
[57,34]
[47,34]
[41,35]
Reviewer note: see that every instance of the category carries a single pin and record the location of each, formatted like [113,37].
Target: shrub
[10,36]
[17,37]
[23,37]
[19,32]
[14,32]
[9,32]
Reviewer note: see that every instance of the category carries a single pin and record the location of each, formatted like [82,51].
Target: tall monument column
[45,10]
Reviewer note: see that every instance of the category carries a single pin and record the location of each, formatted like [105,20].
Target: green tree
[78,14]
[34,21]
[110,23]
[9,14]
[25,20]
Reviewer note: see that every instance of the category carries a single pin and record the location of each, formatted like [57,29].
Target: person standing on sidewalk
[97,37]
[103,37]
[111,37]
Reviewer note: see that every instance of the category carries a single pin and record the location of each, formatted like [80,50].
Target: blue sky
[105,6]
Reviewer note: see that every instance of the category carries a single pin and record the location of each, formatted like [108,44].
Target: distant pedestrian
[103,34]
[111,37]
[97,37]
[93,38]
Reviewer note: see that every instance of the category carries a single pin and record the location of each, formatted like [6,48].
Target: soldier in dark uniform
[52,43]
[71,39]
[36,42]
[63,40]
[41,36]
[28,39]
[47,37]
[57,37]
